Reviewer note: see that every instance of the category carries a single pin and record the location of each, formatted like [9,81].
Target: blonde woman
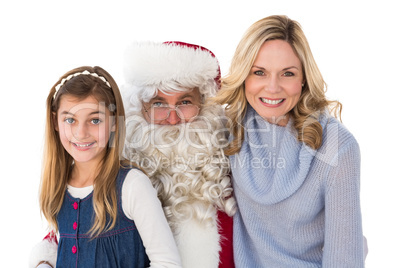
[106,214]
[296,168]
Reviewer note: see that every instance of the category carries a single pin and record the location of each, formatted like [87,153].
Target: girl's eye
[69,120]
[96,121]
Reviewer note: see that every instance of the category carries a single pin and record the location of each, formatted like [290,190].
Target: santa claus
[178,140]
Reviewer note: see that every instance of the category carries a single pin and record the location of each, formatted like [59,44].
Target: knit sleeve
[343,246]
[141,204]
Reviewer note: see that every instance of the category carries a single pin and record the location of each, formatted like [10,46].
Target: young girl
[107,214]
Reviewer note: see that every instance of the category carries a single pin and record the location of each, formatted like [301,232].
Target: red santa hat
[149,67]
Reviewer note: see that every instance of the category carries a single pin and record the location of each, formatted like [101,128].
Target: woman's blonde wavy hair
[57,163]
[312,100]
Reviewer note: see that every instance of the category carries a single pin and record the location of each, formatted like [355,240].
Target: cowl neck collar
[272,164]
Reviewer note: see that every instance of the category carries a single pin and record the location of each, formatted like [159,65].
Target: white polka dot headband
[77,74]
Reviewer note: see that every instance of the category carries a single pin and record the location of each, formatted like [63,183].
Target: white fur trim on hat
[149,65]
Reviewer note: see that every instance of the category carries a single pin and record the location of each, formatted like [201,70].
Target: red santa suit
[185,162]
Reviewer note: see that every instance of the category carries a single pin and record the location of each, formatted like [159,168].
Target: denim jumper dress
[120,247]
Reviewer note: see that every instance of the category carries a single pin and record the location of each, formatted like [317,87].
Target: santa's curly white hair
[185,163]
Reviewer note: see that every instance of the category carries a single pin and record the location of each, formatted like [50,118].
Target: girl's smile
[83,146]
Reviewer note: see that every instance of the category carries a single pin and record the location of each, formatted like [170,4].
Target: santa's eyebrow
[189,95]
[157,98]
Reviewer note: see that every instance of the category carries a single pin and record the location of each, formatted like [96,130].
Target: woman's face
[274,84]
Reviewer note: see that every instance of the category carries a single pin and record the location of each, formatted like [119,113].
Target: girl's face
[274,84]
[84,127]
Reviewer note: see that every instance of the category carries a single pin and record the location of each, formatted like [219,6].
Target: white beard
[189,170]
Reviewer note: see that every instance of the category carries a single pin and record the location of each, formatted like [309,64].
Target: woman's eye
[288,74]
[96,121]
[259,72]
[69,120]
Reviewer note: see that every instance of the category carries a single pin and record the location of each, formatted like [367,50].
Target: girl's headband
[77,74]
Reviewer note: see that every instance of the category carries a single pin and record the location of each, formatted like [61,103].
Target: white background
[356,44]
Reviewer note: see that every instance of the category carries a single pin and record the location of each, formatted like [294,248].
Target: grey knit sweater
[297,207]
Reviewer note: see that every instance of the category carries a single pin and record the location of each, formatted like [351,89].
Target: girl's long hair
[57,163]
[312,100]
